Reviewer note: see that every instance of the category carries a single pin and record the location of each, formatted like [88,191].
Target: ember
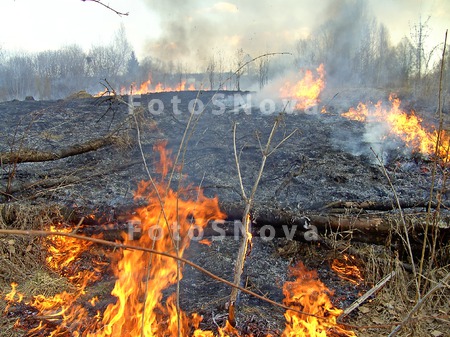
[346,269]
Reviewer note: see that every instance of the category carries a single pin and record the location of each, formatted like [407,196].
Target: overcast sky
[192,29]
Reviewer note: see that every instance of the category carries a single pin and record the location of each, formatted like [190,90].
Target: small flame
[11,296]
[147,87]
[346,268]
[309,295]
[305,91]
[206,242]
[403,125]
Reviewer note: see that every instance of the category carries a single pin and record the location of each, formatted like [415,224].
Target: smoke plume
[192,32]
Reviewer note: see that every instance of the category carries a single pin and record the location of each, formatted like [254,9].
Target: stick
[149,250]
[364,297]
[441,284]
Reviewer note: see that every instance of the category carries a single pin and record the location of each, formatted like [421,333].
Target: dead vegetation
[413,302]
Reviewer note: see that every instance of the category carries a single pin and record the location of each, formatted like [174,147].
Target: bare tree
[180,72]
[210,70]
[263,71]
[122,49]
[220,70]
[19,76]
[419,33]
[405,59]
[239,63]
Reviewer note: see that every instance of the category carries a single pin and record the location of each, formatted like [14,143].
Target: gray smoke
[192,32]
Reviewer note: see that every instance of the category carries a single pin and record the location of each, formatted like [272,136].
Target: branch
[364,297]
[236,158]
[30,156]
[108,7]
[421,302]
[247,237]
[152,251]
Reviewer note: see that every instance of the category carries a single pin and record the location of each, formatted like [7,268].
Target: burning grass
[140,306]
[388,306]
[22,257]
[398,123]
[140,302]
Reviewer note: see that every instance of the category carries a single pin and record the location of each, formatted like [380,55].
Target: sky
[182,29]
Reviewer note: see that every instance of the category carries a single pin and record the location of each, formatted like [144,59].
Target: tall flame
[168,220]
[305,91]
[407,127]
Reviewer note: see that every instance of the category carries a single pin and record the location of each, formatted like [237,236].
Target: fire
[308,294]
[147,87]
[408,127]
[346,269]
[64,256]
[168,221]
[305,92]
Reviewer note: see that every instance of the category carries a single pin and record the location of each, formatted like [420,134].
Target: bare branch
[152,251]
[419,304]
[108,7]
[244,196]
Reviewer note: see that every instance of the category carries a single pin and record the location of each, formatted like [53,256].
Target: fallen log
[369,228]
[354,206]
[29,155]
[112,223]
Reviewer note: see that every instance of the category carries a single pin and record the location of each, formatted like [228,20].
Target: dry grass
[390,305]
[22,257]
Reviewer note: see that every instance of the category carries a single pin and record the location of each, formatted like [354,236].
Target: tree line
[355,49]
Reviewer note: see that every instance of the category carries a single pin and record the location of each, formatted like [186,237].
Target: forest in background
[354,47]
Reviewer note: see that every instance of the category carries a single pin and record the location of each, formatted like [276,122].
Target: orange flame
[309,295]
[306,91]
[146,87]
[64,255]
[346,269]
[167,224]
[167,221]
[403,125]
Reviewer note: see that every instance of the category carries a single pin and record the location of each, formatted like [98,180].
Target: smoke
[192,32]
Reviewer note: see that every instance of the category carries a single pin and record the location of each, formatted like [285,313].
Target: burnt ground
[327,160]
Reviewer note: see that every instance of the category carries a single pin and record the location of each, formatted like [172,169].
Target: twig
[364,297]
[108,7]
[419,304]
[251,61]
[246,240]
[402,217]
[78,225]
[433,173]
[153,251]
[236,158]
